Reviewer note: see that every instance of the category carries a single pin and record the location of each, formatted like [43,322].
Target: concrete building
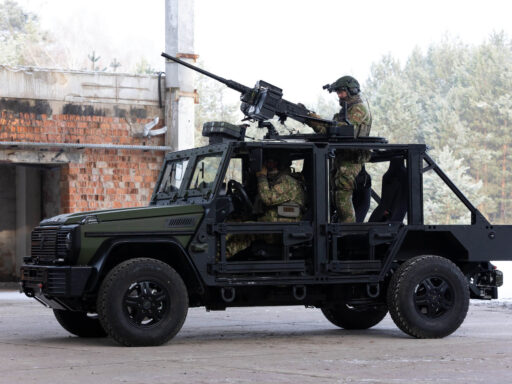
[72,141]
[80,141]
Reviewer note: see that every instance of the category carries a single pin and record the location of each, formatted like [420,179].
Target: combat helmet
[347,83]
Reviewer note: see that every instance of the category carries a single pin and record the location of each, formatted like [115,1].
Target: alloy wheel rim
[146,303]
[433,297]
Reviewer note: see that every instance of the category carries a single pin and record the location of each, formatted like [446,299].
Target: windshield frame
[184,193]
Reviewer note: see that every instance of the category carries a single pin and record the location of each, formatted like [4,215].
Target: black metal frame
[322,264]
[469,246]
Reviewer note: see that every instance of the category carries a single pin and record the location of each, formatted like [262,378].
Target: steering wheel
[240,198]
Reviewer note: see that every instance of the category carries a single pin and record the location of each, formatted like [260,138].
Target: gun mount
[264,101]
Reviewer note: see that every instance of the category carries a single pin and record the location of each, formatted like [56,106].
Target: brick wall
[109,179]
[102,178]
[39,177]
[55,106]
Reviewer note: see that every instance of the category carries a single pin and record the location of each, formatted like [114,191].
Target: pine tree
[23,41]
[458,97]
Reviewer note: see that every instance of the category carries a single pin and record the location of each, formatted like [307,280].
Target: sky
[297,45]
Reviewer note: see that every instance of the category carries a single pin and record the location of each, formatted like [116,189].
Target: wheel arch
[166,250]
[439,243]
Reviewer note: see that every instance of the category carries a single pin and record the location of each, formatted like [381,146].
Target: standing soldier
[348,164]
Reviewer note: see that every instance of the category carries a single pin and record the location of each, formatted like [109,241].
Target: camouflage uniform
[273,191]
[348,165]
[357,113]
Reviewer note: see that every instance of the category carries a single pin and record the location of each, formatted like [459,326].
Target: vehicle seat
[395,194]
[361,196]
[307,177]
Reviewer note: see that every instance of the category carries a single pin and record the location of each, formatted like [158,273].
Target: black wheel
[80,323]
[142,302]
[356,317]
[428,297]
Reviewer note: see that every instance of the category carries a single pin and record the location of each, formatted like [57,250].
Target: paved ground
[255,345]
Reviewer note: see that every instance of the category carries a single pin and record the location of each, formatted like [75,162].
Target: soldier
[281,198]
[358,114]
[281,194]
[349,164]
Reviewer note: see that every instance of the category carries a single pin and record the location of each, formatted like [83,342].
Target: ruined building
[72,141]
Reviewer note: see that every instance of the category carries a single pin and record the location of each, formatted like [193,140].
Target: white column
[179,106]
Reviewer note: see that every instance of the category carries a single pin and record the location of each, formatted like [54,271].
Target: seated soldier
[280,198]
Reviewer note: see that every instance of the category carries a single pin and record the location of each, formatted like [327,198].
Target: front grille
[61,243]
[49,243]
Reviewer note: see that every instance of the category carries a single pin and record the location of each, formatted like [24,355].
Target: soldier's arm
[280,193]
[316,125]
[359,116]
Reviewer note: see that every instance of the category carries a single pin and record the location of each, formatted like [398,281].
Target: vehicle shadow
[191,335]
[285,333]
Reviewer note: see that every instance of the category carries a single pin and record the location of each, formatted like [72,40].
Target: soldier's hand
[262,171]
[309,113]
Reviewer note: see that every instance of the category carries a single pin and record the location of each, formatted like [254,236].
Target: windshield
[205,171]
[173,176]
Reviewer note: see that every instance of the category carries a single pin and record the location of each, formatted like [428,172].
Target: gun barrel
[230,83]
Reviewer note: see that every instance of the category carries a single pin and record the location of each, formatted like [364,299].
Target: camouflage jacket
[272,192]
[357,114]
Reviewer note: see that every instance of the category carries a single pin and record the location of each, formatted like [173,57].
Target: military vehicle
[133,273]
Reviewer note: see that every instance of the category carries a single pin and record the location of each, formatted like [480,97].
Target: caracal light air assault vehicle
[133,273]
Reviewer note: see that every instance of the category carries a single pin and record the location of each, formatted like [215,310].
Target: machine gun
[264,101]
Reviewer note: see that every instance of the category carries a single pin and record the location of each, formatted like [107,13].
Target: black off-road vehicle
[133,273]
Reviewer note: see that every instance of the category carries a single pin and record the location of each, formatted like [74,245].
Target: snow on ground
[10,295]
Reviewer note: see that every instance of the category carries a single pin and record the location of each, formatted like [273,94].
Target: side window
[205,171]
[173,176]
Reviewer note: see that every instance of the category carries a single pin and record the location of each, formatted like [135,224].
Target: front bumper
[53,285]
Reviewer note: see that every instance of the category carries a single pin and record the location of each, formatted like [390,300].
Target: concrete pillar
[28,209]
[179,105]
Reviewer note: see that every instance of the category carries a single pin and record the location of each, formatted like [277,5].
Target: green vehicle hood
[123,214]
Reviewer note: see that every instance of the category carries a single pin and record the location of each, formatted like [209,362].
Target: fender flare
[101,257]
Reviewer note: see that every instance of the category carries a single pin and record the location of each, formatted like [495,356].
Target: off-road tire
[428,297]
[353,317]
[140,286]
[79,323]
